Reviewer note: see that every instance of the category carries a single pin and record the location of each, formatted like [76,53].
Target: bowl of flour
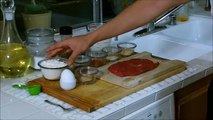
[52,68]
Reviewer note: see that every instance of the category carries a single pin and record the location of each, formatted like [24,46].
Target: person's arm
[136,15]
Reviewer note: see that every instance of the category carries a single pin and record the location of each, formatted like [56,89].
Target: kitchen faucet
[152,26]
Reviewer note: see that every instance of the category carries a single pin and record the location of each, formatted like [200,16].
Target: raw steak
[132,67]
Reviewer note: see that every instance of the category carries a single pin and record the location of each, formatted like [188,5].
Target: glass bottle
[14,56]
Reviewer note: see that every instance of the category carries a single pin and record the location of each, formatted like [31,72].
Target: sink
[184,41]
[197,29]
[165,47]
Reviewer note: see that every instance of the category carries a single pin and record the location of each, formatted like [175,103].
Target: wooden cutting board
[164,67]
[103,92]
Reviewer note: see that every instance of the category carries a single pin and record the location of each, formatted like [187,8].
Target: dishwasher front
[161,109]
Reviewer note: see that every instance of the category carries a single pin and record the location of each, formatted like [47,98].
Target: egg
[67,80]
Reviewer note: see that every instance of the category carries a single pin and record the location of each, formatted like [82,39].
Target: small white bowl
[52,68]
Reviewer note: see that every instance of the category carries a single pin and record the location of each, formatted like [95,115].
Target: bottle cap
[65,30]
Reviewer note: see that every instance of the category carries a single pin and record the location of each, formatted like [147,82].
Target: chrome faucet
[162,17]
[152,25]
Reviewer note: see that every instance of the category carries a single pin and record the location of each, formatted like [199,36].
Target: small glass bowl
[113,53]
[86,75]
[52,68]
[127,48]
[80,61]
[97,58]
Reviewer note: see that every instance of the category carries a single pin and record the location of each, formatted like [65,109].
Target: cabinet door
[191,101]
[162,109]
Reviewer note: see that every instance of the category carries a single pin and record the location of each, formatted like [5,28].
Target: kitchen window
[75,13]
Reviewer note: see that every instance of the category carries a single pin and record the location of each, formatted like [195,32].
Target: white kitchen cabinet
[161,109]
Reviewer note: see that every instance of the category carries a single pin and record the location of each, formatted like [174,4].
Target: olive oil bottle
[14,56]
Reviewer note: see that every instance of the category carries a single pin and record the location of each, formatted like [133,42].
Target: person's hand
[76,45]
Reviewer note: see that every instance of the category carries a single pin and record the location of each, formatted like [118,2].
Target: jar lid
[40,32]
[65,30]
[96,54]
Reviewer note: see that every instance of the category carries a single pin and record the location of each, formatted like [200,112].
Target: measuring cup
[33,90]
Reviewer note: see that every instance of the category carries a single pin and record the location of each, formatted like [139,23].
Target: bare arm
[136,15]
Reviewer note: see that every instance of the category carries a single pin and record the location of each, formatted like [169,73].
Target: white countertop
[18,104]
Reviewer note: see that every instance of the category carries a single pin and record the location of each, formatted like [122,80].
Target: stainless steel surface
[145,31]
[65,109]
[172,19]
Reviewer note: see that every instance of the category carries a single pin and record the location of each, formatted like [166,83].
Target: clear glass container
[97,58]
[81,61]
[113,53]
[14,56]
[127,48]
[38,40]
[86,75]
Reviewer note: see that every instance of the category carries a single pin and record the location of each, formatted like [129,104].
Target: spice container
[81,61]
[127,48]
[183,13]
[52,68]
[97,58]
[86,75]
[113,53]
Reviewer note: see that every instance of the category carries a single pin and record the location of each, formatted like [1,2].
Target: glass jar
[113,53]
[86,75]
[38,40]
[80,61]
[97,58]
[14,56]
[127,48]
